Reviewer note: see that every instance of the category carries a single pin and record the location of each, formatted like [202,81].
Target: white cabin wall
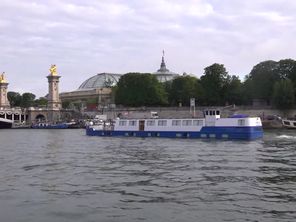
[219,122]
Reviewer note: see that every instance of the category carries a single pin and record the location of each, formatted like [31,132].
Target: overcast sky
[85,37]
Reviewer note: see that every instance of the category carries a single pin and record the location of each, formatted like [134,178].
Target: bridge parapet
[11,115]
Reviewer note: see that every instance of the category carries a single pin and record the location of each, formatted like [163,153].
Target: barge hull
[242,133]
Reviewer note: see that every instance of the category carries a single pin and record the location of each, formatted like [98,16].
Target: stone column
[3,95]
[54,102]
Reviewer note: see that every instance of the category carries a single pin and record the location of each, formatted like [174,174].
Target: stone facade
[54,103]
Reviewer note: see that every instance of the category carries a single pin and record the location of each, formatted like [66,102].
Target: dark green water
[63,175]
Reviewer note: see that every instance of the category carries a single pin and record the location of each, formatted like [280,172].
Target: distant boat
[290,124]
[50,126]
[212,126]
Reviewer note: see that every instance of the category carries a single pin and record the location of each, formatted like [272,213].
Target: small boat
[211,126]
[290,124]
[50,126]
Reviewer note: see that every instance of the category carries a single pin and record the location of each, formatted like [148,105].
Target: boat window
[197,122]
[224,136]
[176,122]
[207,112]
[211,112]
[203,135]
[132,123]
[218,112]
[162,122]
[241,122]
[122,123]
[187,122]
[150,122]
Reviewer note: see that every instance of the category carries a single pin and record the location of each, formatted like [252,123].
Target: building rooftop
[101,80]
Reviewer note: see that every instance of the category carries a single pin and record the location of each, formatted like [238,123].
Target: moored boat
[290,124]
[211,126]
[50,126]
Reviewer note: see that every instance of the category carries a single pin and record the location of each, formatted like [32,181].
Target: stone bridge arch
[35,116]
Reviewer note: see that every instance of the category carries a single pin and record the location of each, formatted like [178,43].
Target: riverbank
[270,117]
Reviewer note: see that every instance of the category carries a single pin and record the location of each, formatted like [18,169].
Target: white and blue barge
[211,126]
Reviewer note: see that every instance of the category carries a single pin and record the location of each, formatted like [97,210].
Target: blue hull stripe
[245,133]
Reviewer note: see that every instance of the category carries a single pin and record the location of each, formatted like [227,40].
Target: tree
[14,98]
[247,93]
[42,101]
[27,100]
[136,89]
[213,83]
[182,89]
[233,91]
[262,79]
[283,96]
[287,69]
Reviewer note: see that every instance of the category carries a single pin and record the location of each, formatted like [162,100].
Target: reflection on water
[63,175]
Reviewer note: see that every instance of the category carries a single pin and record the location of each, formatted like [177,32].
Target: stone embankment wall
[185,112]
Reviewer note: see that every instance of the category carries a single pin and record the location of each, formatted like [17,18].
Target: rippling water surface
[63,175]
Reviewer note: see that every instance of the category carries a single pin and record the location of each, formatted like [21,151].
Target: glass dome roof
[101,80]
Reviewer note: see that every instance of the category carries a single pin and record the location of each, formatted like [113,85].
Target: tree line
[269,81]
[25,100]
[272,82]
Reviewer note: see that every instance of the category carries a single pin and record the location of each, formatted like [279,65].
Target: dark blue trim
[49,126]
[245,133]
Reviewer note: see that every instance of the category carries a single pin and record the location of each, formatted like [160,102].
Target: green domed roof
[101,80]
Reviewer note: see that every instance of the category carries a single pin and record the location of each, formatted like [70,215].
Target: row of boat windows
[163,122]
[179,135]
[212,112]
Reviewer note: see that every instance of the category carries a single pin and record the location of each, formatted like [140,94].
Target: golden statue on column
[2,78]
[53,70]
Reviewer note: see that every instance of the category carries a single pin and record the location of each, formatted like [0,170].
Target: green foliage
[233,91]
[283,94]
[42,101]
[214,83]
[247,93]
[135,89]
[27,100]
[14,98]
[287,69]
[183,88]
[265,74]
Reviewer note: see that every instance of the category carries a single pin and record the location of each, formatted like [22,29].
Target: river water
[63,175]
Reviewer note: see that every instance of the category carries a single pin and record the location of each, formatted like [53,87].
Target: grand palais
[95,92]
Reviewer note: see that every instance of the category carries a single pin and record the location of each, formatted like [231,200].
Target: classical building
[163,74]
[95,92]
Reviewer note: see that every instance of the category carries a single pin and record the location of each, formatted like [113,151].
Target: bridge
[10,116]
